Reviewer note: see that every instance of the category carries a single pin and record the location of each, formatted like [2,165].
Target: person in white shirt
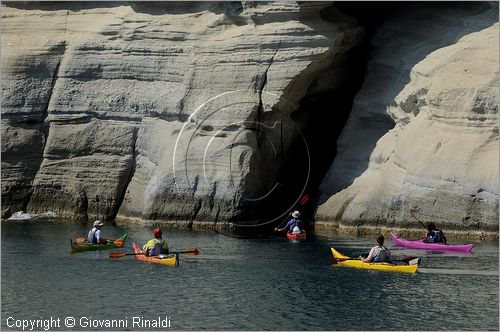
[95,235]
[379,253]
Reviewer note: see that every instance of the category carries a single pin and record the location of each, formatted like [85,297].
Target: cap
[296,214]
[98,223]
[157,232]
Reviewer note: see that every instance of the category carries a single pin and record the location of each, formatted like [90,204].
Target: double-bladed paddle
[117,242]
[187,251]
[421,223]
[303,200]
[82,240]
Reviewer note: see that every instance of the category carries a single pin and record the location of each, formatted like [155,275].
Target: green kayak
[118,243]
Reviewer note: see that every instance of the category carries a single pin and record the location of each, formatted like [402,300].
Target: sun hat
[98,223]
[296,214]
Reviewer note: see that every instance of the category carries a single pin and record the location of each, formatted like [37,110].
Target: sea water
[237,284]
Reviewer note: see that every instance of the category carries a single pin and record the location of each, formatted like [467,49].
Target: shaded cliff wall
[422,136]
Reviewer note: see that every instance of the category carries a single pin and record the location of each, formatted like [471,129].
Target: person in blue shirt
[294,225]
[434,235]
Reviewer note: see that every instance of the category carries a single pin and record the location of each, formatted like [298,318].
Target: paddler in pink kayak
[434,235]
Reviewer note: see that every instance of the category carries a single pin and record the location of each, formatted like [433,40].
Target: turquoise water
[235,284]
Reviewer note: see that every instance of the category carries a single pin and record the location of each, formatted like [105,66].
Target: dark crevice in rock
[263,83]
[121,197]
[196,209]
[324,116]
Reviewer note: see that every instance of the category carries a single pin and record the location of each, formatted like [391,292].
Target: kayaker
[156,246]
[95,235]
[294,225]
[434,235]
[379,253]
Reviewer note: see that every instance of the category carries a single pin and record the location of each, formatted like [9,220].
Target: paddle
[187,251]
[82,240]
[117,242]
[303,200]
[421,223]
[406,260]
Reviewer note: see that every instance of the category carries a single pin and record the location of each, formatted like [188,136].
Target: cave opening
[324,115]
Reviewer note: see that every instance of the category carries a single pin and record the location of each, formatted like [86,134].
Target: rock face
[158,111]
[192,112]
[423,133]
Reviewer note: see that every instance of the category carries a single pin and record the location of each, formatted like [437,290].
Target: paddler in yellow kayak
[156,246]
[379,253]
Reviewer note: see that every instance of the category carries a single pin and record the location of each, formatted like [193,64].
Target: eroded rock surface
[157,111]
[423,132]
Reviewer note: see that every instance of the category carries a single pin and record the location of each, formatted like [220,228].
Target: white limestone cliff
[423,133]
[155,111]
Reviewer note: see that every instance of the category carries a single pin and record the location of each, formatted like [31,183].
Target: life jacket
[158,248]
[295,223]
[382,256]
[435,236]
[91,238]
[296,230]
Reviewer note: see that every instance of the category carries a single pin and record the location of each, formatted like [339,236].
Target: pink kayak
[419,244]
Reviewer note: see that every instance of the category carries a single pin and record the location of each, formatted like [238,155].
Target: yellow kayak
[171,260]
[357,263]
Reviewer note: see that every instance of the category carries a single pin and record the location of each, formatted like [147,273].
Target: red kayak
[300,236]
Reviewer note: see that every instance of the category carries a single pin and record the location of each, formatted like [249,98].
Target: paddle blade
[191,251]
[118,243]
[80,239]
[304,199]
[115,255]
[336,260]
[408,259]
[415,261]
